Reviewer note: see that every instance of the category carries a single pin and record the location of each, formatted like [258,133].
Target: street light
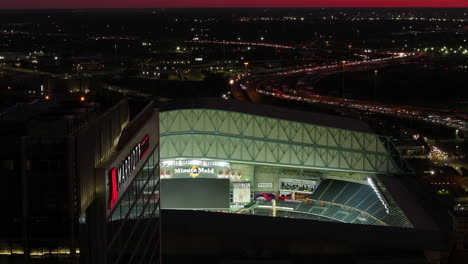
[376,72]
[246,64]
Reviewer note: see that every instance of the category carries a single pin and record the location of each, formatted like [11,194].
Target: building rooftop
[57,117]
[268,111]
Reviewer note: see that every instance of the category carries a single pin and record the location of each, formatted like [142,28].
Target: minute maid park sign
[194,171]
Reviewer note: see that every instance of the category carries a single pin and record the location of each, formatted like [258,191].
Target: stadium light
[379,195]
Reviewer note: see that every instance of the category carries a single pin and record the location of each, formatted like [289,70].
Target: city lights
[264,123]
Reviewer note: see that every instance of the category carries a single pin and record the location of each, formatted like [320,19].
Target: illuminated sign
[114,191]
[194,171]
[241,192]
[298,186]
[265,185]
[144,146]
[119,175]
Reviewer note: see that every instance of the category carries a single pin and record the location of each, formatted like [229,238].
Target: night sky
[227,3]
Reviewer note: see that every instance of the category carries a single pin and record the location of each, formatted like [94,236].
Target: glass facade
[133,226]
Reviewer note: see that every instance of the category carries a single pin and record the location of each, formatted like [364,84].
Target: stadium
[263,169]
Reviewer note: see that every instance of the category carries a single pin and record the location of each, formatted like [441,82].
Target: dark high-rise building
[75,176]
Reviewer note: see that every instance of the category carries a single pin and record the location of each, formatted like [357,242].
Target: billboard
[194,193]
[183,168]
[119,175]
[241,192]
[265,185]
[298,186]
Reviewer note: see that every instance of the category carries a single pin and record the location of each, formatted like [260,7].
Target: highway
[260,44]
[298,85]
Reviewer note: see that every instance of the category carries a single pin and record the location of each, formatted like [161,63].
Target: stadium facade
[236,181]
[305,169]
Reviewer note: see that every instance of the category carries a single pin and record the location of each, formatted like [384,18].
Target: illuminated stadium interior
[237,160]
[281,192]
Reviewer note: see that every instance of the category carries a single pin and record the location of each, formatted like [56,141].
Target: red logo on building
[119,175]
[114,193]
[144,146]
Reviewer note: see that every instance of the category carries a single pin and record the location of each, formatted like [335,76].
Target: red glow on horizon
[44,4]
